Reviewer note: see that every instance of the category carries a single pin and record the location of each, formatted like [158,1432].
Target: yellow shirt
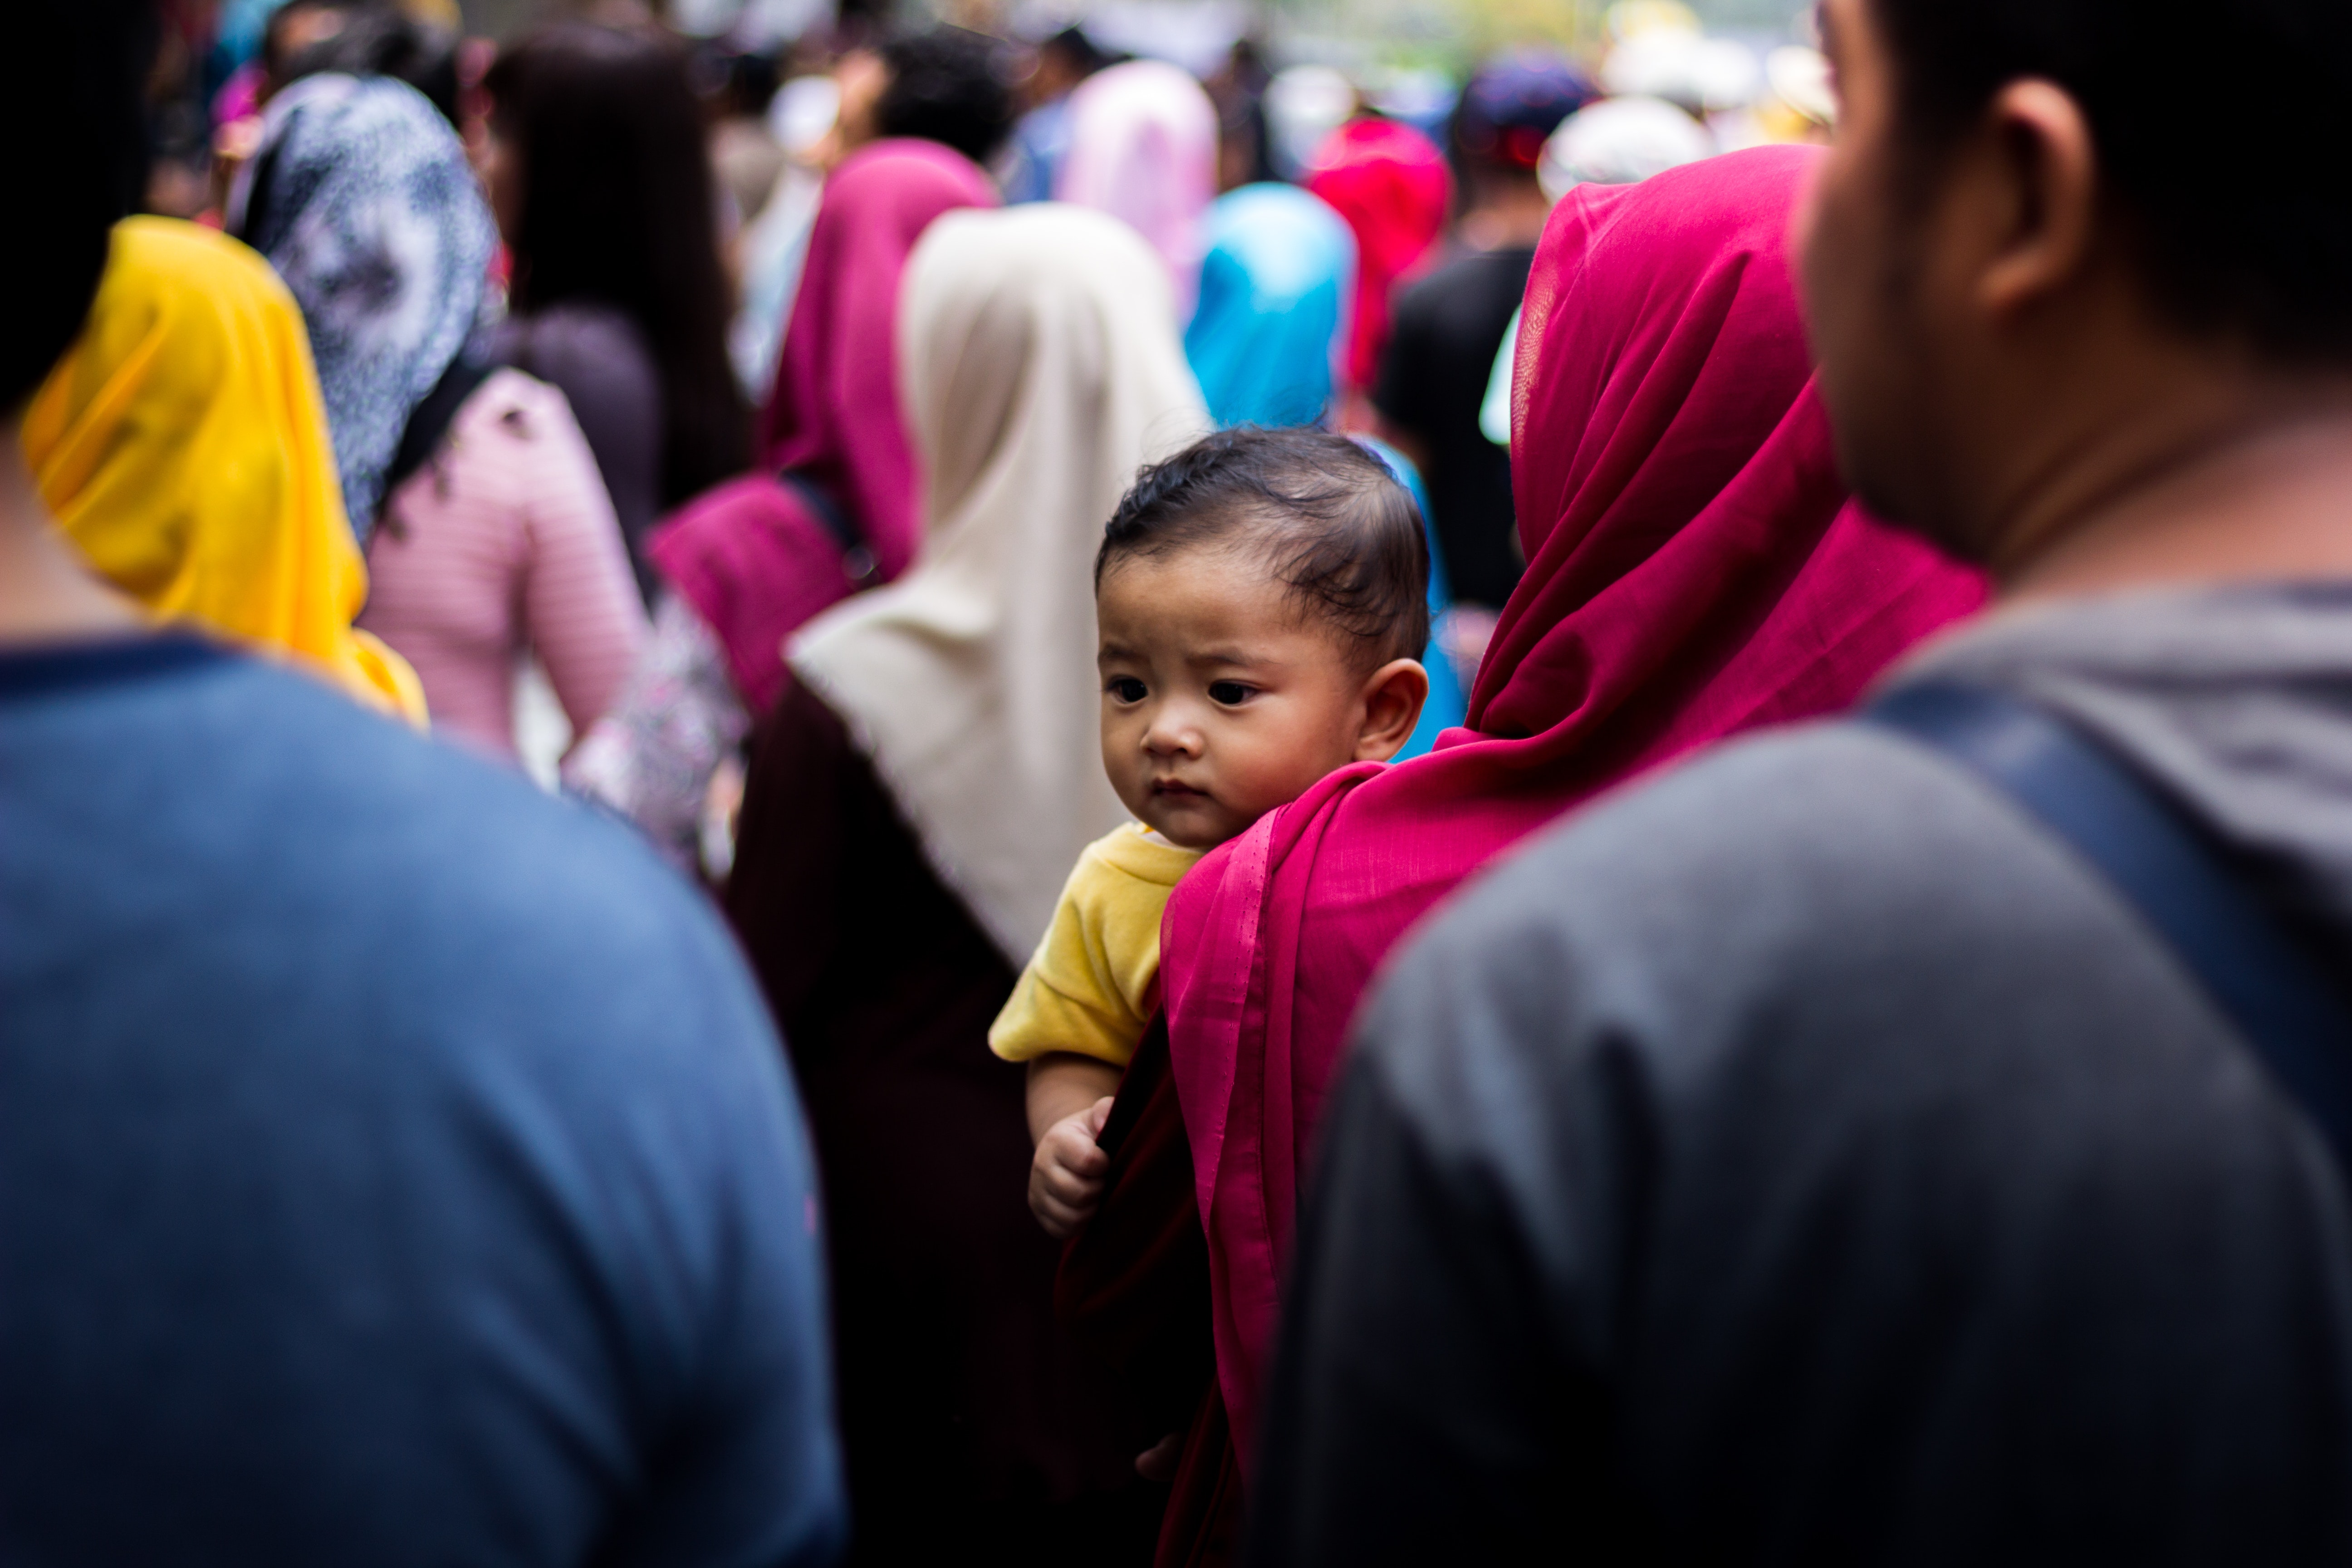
[1095,980]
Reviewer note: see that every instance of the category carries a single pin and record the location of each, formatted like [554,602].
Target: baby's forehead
[1201,595]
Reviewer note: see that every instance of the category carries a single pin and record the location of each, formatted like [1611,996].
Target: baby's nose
[1168,740]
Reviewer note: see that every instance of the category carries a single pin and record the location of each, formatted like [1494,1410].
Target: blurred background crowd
[1348,197]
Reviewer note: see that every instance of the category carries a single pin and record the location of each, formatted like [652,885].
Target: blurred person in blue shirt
[395,1165]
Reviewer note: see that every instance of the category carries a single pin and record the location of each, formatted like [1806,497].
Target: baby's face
[1220,702]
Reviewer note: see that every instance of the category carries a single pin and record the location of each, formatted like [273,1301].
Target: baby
[1260,598]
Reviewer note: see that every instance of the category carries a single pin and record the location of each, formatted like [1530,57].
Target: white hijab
[1040,368]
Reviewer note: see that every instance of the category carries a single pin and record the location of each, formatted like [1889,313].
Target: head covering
[1514,102]
[182,447]
[757,556]
[1621,143]
[1391,184]
[1042,369]
[1274,292]
[361,198]
[1693,570]
[1143,148]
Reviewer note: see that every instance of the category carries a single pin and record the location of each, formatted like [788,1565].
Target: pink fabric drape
[1143,148]
[1391,182]
[752,556]
[1695,570]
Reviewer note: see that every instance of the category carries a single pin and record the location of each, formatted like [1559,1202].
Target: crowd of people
[1603,833]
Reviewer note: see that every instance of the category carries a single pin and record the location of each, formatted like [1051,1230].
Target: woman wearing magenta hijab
[832,511]
[1695,570]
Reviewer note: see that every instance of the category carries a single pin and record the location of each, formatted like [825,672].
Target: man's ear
[2043,164]
[1392,696]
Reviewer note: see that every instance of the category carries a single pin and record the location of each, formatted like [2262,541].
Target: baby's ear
[1392,696]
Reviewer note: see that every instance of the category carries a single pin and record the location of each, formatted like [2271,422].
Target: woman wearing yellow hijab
[181,444]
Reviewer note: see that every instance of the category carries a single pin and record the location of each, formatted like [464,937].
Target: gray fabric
[598,359]
[373,216]
[2238,702]
[1804,1159]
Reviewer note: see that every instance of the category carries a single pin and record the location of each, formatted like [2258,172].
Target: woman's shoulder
[510,414]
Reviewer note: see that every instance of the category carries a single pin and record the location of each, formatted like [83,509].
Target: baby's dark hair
[1333,523]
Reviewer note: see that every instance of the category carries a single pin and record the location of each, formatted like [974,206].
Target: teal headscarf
[1274,291]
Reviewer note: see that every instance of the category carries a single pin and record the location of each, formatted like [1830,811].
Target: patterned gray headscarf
[361,198]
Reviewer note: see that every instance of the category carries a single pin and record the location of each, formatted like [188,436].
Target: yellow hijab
[181,445]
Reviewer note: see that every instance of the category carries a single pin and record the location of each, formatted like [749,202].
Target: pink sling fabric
[751,555]
[1695,570]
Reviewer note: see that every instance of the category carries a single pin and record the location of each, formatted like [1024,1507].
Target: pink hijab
[1695,570]
[1391,182]
[1143,148]
[756,557]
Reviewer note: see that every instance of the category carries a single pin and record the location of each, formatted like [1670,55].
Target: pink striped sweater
[506,542]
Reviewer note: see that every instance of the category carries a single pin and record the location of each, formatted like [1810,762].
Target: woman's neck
[47,594]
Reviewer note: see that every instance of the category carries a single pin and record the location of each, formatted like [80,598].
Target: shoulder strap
[2250,962]
[858,563]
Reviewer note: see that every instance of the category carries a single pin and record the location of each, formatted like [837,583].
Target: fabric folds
[181,446]
[1695,570]
[1041,368]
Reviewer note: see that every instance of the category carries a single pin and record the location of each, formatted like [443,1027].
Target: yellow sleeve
[1094,980]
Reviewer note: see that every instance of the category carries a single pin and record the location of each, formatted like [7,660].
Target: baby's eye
[1125,688]
[1229,693]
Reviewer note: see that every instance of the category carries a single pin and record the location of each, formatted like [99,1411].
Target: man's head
[1261,598]
[77,102]
[947,86]
[2030,262]
[1064,60]
[1508,109]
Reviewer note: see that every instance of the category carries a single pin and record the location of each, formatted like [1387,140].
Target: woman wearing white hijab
[916,800]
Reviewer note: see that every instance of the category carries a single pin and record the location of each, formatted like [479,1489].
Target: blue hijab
[1274,291]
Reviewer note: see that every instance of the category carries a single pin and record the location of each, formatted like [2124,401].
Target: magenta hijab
[759,556]
[1695,570]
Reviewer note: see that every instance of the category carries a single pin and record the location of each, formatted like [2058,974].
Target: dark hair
[618,207]
[378,41]
[1335,525]
[75,106]
[1077,51]
[2242,221]
[1512,105]
[947,86]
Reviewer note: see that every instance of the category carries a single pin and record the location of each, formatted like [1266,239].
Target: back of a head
[376,40]
[1322,513]
[2237,203]
[182,448]
[1040,334]
[1620,141]
[618,207]
[1513,104]
[948,85]
[77,100]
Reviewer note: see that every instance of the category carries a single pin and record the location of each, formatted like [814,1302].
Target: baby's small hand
[1065,1179]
